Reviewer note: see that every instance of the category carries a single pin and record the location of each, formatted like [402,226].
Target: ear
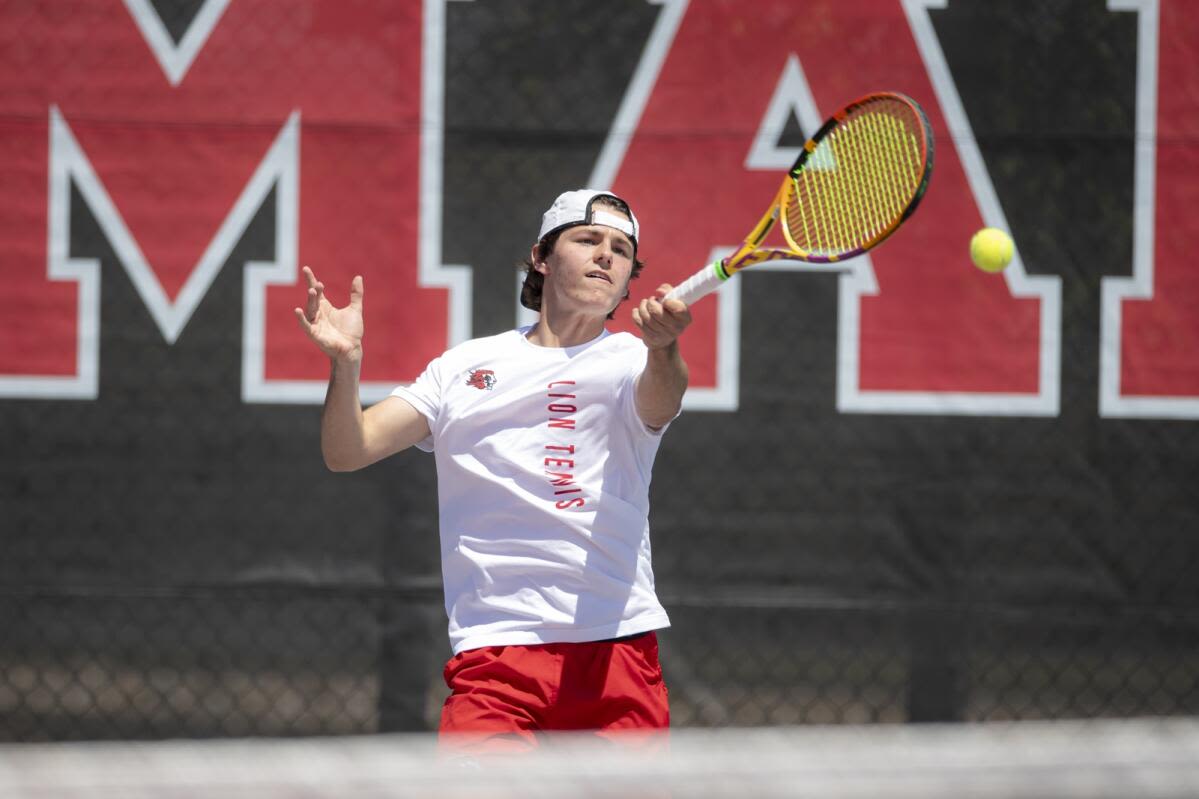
[538,264]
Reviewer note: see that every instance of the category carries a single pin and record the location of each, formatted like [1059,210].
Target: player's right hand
[337,331]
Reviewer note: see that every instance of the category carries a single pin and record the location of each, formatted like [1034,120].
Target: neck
[564,330]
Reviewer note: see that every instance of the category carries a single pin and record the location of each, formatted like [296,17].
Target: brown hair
[530,292]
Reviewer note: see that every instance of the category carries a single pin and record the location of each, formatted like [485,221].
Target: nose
[604,252]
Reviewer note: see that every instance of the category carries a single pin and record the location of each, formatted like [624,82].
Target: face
[588,270]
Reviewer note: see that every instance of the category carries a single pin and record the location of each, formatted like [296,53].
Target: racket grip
[701,284]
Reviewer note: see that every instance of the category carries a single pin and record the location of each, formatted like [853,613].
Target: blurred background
[946,496]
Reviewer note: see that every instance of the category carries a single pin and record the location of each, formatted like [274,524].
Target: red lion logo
[482,379]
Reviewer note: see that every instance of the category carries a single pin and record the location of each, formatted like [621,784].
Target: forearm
[343,433]
[661,386]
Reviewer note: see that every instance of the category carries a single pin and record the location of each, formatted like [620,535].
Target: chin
[597,302]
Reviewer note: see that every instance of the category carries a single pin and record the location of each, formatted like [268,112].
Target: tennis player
[544,439]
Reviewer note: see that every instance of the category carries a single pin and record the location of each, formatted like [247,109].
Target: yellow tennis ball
[991,249]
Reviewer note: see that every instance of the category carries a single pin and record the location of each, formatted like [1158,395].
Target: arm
[661,386]
[350,437]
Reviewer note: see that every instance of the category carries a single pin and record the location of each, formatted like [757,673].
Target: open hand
[337,331]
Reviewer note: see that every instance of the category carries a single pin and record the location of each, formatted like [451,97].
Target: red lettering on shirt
[563,419]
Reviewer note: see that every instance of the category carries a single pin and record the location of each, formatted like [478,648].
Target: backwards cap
[577,208]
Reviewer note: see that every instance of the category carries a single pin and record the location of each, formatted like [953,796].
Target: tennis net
[1145,758]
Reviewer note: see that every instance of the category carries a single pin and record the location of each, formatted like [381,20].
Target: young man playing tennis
[544,438]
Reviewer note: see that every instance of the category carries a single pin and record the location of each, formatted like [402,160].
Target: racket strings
[857,184]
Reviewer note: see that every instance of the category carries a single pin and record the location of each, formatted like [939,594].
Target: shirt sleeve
[424,394]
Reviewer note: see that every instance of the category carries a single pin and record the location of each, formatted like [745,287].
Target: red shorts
[502,695]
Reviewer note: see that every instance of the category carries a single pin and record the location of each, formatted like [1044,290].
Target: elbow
[658,416]
[336,463]
[657,423]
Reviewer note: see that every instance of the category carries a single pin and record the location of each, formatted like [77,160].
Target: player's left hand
[661,321]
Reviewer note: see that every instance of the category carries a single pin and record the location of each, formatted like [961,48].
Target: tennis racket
[855,181]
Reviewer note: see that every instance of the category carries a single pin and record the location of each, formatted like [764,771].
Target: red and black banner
[913,463]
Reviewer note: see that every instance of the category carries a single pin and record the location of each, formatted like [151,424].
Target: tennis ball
[991,249]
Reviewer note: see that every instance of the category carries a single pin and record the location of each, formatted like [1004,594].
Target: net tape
[1141,758]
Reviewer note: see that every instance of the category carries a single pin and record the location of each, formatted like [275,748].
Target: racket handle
[701,284]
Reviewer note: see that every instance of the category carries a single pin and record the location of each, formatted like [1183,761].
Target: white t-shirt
[543,472]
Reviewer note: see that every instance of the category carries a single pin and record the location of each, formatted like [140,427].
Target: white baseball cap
[576,208]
